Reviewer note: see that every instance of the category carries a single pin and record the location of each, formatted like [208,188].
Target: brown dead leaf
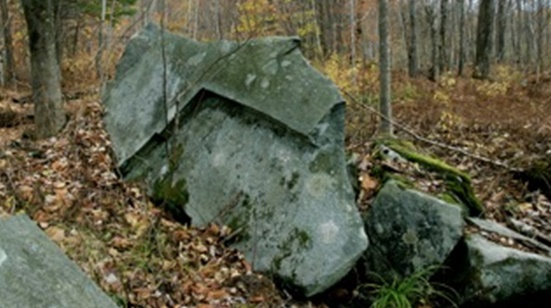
[257,299]
[217,294]
[57,234]
[368,182]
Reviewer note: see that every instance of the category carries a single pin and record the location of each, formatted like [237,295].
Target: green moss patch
[458,185]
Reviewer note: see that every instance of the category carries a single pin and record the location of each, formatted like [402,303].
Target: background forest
[468,80]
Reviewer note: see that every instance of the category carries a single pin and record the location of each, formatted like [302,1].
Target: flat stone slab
[34,272]
[502,276]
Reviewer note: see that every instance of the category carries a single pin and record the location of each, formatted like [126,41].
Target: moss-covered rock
[457,184]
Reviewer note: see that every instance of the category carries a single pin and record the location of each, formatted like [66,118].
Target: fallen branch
[530,231]
[432,142]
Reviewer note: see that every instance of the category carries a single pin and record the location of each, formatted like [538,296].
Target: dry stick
[432,142]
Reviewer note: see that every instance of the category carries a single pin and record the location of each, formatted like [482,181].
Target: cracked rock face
[251,137]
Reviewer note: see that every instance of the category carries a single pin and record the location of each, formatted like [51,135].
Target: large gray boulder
[409,232]
[34,272]
[490,274]
[251,137]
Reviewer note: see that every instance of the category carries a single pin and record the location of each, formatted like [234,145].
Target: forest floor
[142,257]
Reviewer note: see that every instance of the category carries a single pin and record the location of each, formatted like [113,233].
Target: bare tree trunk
[196,20]
[384,68]
[99,55]
[501,29]
[484,39]
[8,72]
[402,20]
[74,47]
[520,28]
[443,47]
[45,74]
[352,17]
[432,19]
[217,21]
[413,58]
[319,48]
[540,19]
[462,38]
[352,13]
[528,35]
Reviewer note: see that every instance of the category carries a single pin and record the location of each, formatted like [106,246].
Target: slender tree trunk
[75,38]
[319,48]
[8,72]
[384,68]
[471,32]
[462,38]
[218,21]
[101,43]
[501,29]
[196,20]
[520,28]
[413,58]
[45,74]
[403,25]
[484,39]
[432,19]
[352,17]
[528,35]
[540,19]
[443,47]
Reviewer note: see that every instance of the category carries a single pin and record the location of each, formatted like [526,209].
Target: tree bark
[432,19]
[45,73]
[520,30]
[9,63]
[352,13]
[413,58]
[484,39]
[101,41]
[352,18]
[541,25]
[501,29]
[443,46]
[384,69]
[462,38]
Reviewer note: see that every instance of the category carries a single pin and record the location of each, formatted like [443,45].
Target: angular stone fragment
[35,273]
[409,231]
[490,274]
[252,137]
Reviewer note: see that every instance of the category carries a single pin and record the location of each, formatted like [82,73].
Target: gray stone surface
[494,227]
[499,275]
[34,272]
[258,145]
[409,231]
[268,75]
